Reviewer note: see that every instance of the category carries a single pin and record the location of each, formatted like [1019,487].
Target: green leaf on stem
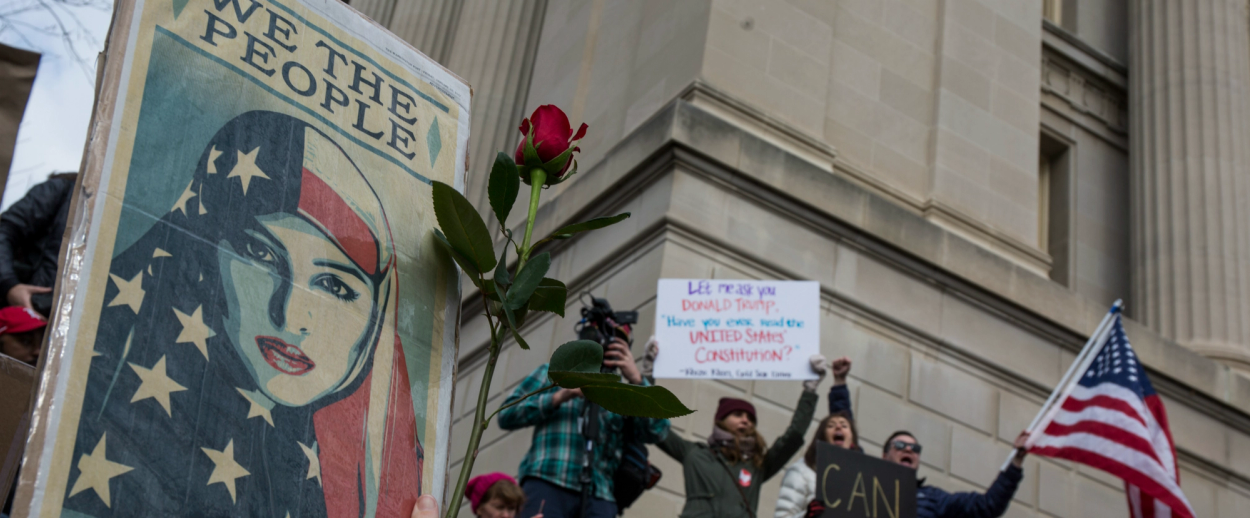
[502,277]
[504,186]
[519,341]
[511,319]
[465,264]
[585,226]
[577,356]
[549,296]
[572,380]
[634,401]
[527,280]
[463,227]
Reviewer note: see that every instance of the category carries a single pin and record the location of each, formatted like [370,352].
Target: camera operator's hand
[618,356]
[646,365]
[564,395]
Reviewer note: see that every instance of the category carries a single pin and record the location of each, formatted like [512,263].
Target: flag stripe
[1072,404]
[1133,476]
[1122,454]
[1106,431]
[1137,407]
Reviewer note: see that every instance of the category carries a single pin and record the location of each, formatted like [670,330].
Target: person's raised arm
[994,502]
[791,441]
[839,393]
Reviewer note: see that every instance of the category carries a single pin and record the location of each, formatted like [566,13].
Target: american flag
[1110,417]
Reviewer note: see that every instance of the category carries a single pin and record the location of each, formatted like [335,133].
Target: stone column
[429,25]
[494,48]
[1189,84]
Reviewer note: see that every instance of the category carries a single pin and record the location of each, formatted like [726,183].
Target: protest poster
[253,317]
[854,485]
[737,329]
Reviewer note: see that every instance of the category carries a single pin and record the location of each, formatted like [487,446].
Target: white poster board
[737,329]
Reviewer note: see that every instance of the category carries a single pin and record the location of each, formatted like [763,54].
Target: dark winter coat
[30,234]
[933,502]
[712,483]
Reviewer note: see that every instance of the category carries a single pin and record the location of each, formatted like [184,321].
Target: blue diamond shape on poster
[434,142]
[178,5]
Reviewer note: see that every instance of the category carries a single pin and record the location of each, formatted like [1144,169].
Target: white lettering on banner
[735,329]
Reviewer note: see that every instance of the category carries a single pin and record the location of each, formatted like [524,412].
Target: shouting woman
[798,485]
[234,362]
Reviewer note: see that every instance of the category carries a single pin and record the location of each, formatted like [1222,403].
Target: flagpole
[1094,338]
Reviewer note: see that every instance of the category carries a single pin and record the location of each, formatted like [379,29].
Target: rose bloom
[552,136]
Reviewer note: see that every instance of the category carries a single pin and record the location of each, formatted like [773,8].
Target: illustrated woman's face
[299,309]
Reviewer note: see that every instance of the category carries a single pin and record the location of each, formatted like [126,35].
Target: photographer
[724,474]
[554,468]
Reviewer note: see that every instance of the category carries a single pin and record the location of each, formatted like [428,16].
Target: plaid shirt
[555,454]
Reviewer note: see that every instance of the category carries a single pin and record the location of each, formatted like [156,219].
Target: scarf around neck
[721,438]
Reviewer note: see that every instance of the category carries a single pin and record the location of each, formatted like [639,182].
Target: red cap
[479,485]
[14,319]
[730,405]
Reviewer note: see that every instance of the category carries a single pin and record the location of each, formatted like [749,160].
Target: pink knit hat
[479,485]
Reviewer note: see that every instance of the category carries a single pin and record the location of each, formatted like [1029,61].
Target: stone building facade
[973,182]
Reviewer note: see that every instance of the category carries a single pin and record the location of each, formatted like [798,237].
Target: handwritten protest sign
[854,485]
[736,329]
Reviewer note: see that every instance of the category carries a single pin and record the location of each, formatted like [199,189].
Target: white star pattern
[212,160]
[225,468]
[246,169]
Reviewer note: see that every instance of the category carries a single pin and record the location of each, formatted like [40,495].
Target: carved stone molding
[1088,99]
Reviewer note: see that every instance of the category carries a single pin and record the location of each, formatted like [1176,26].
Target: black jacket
[30,234]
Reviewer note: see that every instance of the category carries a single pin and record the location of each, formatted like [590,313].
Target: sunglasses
[903,445]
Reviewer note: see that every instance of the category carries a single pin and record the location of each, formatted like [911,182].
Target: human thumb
[427,507]
[39,289]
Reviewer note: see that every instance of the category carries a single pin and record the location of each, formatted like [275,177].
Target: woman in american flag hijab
[247,361]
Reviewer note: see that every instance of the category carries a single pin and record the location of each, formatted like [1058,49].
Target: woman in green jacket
[724,474]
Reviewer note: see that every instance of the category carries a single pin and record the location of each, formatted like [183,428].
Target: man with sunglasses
[931,502]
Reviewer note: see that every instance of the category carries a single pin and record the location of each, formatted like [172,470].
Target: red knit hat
[730,405]
[479,485]
[15,319]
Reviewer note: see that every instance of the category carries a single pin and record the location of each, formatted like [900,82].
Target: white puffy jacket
[798,488]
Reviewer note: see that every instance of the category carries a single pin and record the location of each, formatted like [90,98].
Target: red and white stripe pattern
[1110,417]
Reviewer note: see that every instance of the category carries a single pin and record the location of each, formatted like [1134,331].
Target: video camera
[601,324]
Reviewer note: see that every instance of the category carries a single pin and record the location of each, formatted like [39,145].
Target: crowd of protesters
[723,474]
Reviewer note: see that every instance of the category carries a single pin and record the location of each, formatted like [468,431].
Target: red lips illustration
[284,357]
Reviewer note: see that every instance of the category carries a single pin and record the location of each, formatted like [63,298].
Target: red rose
[553,136]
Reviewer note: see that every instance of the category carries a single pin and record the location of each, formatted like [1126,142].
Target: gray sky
[69,34]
